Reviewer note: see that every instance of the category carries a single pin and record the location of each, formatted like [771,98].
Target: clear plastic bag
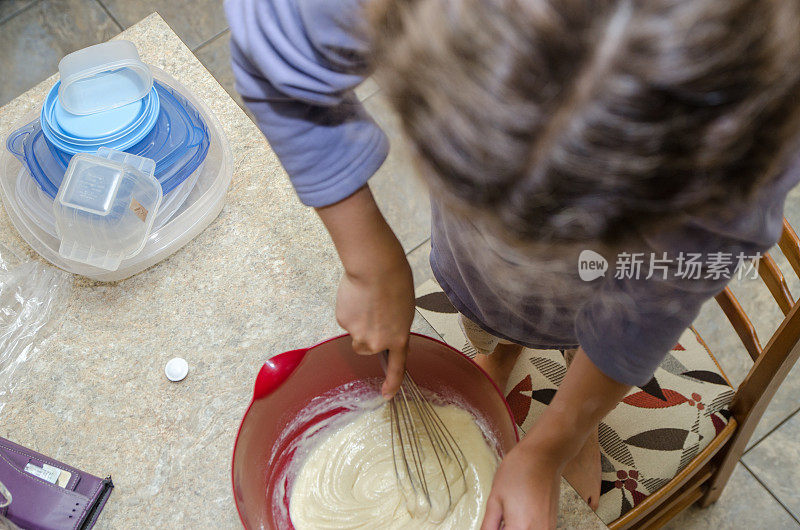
[29,293]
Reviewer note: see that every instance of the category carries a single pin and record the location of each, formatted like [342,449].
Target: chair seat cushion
[654,432]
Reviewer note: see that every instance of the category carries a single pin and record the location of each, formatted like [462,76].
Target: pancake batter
[348,479]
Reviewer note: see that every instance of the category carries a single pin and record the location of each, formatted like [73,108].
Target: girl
[638,129]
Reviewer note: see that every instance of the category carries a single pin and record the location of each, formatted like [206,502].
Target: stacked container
[121,167]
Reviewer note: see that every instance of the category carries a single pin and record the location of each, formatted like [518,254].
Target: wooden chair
[704,478]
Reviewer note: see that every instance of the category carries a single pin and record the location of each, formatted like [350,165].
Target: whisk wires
[424,449]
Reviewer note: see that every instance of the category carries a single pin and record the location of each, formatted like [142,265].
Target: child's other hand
[377,310]
[525,491]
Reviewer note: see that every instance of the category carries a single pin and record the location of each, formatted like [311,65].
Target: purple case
[37,504]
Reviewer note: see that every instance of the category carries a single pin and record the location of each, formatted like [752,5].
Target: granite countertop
[260,280]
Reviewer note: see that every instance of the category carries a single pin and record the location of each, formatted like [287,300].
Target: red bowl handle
[275,371]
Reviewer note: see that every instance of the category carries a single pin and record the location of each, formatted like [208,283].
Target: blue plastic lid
[99,124]
[122,126]
[178,143]
[52,126]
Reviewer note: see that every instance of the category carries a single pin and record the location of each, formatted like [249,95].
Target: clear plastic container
[202,205]
[39,206]
[106,206]
[103,77]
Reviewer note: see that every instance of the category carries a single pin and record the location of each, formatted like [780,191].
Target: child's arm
[525,491]
[376,295]
[296,63]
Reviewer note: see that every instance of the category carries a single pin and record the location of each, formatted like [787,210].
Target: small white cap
[176,369]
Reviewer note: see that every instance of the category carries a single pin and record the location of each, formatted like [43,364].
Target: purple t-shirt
[296,63]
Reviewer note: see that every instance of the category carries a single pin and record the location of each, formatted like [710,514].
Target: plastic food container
[102,77]
[116,128]
[212,169]
[105,208]
[105,98]
[178,142]
[289,381]
[39,206]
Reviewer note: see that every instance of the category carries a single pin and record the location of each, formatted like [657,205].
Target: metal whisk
[423,447]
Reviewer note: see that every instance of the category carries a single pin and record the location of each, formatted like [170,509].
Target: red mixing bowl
[289,381]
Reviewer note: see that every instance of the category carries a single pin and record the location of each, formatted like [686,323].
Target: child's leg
[497,357]
[583,472]
[500,363]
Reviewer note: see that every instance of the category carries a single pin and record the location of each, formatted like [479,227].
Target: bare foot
[583,472]
[500,363]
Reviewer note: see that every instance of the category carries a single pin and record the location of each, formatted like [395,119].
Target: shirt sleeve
[296,64]
[631,323]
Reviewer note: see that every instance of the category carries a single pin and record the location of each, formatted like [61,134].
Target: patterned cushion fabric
[649,437]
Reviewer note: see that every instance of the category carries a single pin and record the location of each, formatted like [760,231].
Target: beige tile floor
[763,493]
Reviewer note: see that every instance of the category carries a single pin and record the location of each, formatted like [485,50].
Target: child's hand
[377,311]
[526,487]
[525,491]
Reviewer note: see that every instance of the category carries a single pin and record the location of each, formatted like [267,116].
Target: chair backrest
[773,361]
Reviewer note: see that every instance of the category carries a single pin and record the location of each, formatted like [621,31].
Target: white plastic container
[203,204]
[103,77]
[105,207]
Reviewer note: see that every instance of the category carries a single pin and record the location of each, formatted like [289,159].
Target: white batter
[348,479]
